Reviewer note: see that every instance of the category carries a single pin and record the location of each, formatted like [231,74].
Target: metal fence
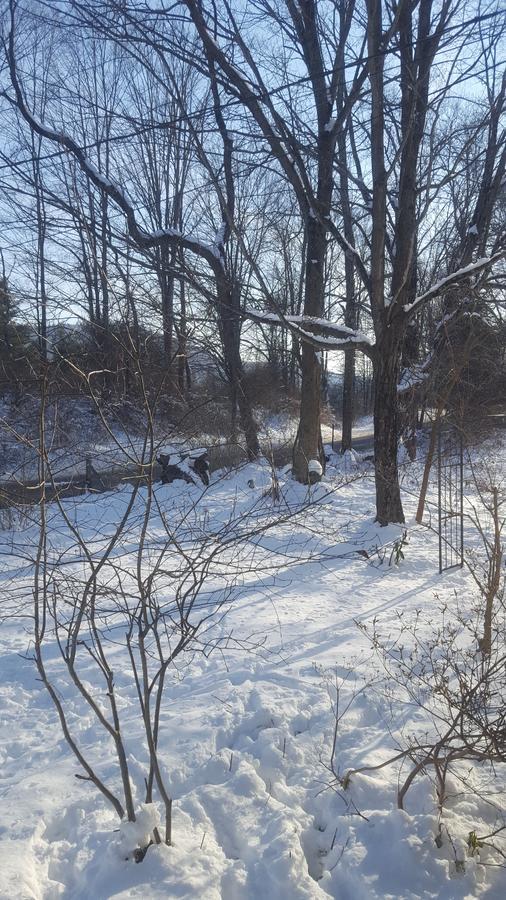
[450,475]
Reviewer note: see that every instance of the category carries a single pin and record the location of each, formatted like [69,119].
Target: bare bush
[124,594]
[454,677]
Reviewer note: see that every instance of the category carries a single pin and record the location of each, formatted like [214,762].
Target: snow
[136,834]
[114,189]
[413,377]
[350,248]
[343,333]
[76,433]
[436,289]
[218,239]
[279,431]
[247,736]
[330,343]
[108,184]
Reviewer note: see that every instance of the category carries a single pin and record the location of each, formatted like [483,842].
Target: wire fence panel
[450,497]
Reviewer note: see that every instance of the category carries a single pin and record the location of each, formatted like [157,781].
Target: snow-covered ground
[282,428]
[75,432]
[247,734]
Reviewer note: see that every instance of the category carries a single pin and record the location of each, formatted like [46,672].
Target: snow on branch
[412,378]
[140,235]
[455,278]
[352,252]
[320,333]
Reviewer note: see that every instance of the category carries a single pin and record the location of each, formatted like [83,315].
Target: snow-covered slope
[247,736]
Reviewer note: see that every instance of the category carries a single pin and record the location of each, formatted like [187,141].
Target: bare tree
[412,36]
[367,76]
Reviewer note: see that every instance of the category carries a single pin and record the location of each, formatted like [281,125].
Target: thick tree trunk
[294,366]
[231,338]
[240,399]
[386,427]
[408,401]
[308,443]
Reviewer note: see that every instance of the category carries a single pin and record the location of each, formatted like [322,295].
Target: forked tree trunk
[240,399]
[386,427]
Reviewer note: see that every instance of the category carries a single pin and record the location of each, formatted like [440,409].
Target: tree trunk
[182,348]
[493,582]
[41,270]
[165,257]
[350,315]
[429,459]
[248,423]
[386,426]
[240,397]
[231,338]
[348,397]
[308,443]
